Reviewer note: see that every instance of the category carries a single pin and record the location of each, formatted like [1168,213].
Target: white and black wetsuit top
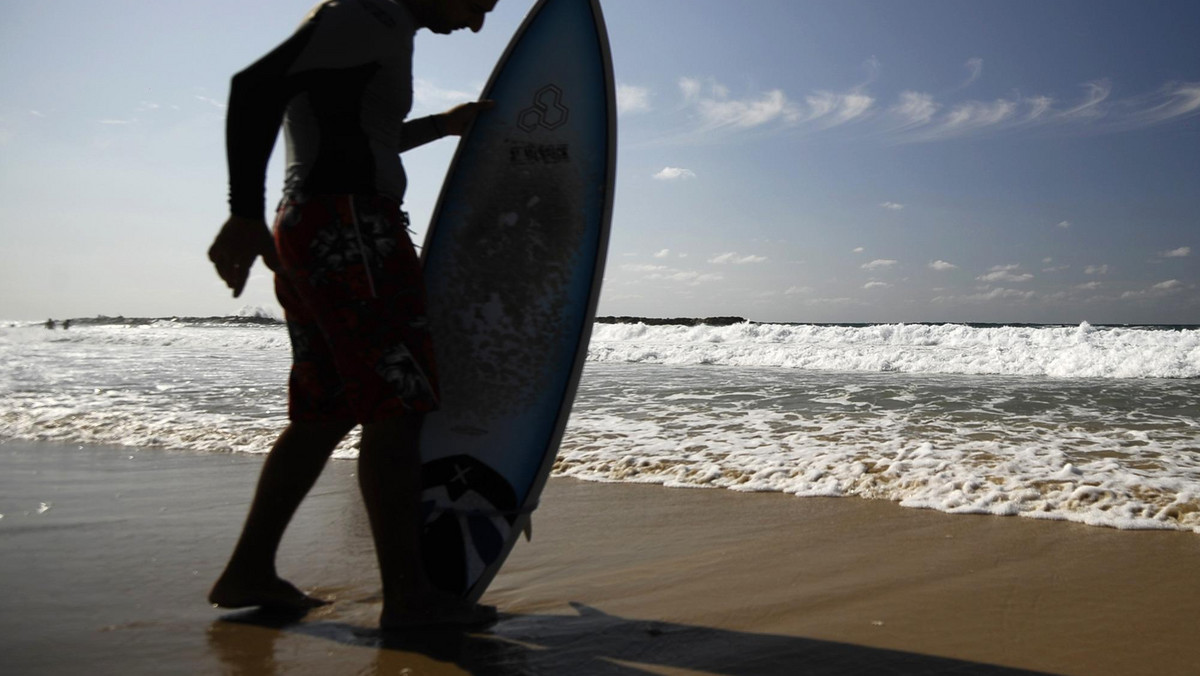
[341,86]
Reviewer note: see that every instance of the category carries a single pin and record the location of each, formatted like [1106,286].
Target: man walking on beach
[349,281]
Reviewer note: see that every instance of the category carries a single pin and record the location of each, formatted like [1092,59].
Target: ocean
[1090,424]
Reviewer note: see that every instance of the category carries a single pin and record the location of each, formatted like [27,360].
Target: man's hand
[456,120]
[240,241]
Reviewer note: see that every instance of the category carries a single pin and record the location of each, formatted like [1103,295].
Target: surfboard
[513,261]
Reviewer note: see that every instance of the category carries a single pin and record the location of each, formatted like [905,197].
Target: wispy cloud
[210,101]
[873,67]
[964,119]
[688,277]
[632,99]
[974,66]
[942,266]
[1096,92]
[734,258]
[1005,273]
[1159,290]
[1096,270]
[1181,252]
[893,206]
[1064,224]
[1171,102]
[674,174]
[663,253]
[876,285]
[999,293]
[714,106]
[428,96]
[918,117]
[878,264]
[915,116]
[914,109]
[663,273]
[830,109]
[146,112]
[716,109]
[690,88]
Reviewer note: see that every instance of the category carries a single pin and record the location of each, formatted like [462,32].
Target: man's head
[447,16]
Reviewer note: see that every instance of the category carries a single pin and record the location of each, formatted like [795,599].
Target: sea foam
[1080,351]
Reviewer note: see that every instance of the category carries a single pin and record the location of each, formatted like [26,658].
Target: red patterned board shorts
[353,296]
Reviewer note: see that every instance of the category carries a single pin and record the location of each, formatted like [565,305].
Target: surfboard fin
[528,530]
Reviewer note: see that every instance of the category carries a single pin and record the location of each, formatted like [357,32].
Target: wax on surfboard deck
[513,261]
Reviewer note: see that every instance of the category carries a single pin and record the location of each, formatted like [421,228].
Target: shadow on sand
[591,642]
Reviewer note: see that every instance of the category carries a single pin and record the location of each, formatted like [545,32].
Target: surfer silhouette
[349,281]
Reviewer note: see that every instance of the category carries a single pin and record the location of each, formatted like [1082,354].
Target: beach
[107,553]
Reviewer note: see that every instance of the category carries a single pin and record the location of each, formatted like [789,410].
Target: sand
[106,555]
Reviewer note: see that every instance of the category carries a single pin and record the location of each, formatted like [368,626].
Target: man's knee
[395,434]
[317,435]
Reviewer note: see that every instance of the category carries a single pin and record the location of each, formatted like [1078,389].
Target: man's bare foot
[272,593]
[437,611]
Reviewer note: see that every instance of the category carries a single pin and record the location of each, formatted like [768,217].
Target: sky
[779,160]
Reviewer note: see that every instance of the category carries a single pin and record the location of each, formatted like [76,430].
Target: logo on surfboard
[547,111]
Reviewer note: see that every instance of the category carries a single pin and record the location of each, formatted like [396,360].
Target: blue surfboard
[513,261]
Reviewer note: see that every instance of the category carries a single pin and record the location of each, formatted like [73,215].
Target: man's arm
[453,122]
[258,97]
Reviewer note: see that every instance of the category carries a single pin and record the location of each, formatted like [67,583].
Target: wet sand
[106,555]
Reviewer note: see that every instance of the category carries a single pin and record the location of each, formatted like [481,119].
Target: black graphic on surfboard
[547,110]
[468,512]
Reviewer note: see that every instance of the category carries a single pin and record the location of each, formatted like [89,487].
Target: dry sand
[106,555]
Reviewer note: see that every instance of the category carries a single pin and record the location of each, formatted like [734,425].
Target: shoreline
[265,317]
[108,553]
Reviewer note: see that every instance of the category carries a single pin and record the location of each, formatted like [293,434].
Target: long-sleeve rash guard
[341,85]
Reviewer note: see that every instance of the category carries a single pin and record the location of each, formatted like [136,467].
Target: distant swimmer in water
[66,324]
[349,281]
[50,324]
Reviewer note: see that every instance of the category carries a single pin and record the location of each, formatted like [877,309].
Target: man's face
[446,16]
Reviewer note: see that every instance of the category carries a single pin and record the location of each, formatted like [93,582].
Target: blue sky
[781,160]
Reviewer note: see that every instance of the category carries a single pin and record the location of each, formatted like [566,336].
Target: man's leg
[289,473]
[389,475]
[390,480]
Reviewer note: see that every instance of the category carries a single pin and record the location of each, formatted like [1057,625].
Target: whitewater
[1090,424]
[1081,351]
